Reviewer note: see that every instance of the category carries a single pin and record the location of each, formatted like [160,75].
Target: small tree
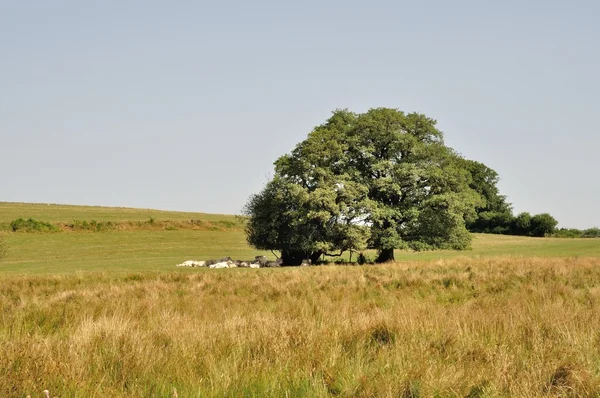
[522,224]
[542,224]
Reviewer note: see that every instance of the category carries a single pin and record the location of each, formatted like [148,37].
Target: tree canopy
[495,213]
[383,179]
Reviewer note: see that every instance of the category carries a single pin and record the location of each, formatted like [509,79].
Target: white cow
[219,265]
[192,263]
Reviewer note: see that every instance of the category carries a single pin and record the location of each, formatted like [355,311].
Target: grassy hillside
[62,213]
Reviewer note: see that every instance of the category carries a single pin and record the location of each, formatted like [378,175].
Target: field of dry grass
[103,312]
[471,327]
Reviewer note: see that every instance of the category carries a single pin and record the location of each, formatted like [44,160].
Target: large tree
[382,179]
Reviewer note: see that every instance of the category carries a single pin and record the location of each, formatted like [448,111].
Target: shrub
[31,225]
[362,259]
[568,233]
[592,233]
[521,224]
[542,224]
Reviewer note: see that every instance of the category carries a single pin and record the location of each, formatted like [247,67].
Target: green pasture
[159,250]
[10,211]
[135,251]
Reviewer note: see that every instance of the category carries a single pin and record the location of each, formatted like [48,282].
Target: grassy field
[61,213]
[97,314]
[126,251]
[160,250]
[466,328]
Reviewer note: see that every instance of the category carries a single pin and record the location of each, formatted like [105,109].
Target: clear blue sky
[184,105]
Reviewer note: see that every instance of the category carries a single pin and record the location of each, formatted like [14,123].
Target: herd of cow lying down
[258,262]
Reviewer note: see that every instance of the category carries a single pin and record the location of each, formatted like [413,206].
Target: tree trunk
[292,257]
[314,257]
[385,255]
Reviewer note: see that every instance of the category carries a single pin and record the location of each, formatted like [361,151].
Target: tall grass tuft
[3,245]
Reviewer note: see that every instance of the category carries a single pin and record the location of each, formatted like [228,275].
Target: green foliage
[591,233]
[577,233]
[568,233]
[301,223]
[93,225]
[495,214]
[32,225]
[542,224]
[521,224]
[524,224]
[382,179]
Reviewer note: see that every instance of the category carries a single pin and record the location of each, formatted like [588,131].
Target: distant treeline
[577,233]
[505,223]
[495,216]
[524,224]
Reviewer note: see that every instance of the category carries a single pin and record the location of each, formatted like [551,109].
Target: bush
[577,233]
[97,226]
[542,225]
[568,233]
[521,224]
[592,233]
[31,225]
[362,259]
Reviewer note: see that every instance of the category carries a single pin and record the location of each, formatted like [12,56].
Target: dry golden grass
[458,327]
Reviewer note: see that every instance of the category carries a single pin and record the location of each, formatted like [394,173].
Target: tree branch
[334,255]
